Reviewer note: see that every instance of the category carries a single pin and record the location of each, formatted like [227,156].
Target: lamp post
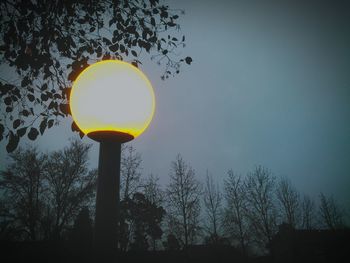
[112,102]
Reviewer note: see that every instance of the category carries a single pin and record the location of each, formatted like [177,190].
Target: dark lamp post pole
[108,185]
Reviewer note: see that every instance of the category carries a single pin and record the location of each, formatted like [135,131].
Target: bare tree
[212,202]
[331,214]
[152,190]
[155,196]
[23,192]
[130,173]
[260,188]
[183,196]
[130,183]
[288,198]
[308,212]
[43,193]
[235,219]
[70,184]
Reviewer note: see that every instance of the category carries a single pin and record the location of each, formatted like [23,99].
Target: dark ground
[63,252]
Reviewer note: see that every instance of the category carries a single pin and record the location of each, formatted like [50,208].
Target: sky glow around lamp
[112,97]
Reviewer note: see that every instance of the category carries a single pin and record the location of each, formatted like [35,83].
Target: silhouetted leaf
[153,21]
[152,39]
[21,131]
[114,47]
[122,48]
[44,87]
[12,143]
[8,100]
[133,52]
[25,81]
[42,126]
[16,123]
[112,21]
[65,108]
[33,133]
[44,97]
[52,105]
[50,123]
[106,41]
[30,97]
[188,60]
[25,113]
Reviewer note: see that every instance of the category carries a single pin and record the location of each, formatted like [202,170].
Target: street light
[112,102]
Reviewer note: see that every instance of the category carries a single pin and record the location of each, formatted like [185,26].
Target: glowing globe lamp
[112,102]
[112,98]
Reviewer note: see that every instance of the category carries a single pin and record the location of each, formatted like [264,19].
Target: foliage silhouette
[44,45]
[43,193]
[23,193]
[142,218]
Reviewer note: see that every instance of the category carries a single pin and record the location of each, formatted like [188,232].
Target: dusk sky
[269,85]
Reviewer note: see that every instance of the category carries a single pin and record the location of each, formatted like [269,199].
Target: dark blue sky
[269,85]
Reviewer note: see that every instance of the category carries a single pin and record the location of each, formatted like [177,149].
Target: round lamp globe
[112,97]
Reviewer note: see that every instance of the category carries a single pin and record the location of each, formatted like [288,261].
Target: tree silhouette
[288,198]
[130,171]
[23,192]
[331,214]
[70,184]
[235,217]
[212,203]
[44,45]
[152,190]
[130,183]
[262,214]
[43,193]
[155,195]
[308,212]
[142,219]
[183,195]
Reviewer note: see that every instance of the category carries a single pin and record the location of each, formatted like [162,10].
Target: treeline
[51,196]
